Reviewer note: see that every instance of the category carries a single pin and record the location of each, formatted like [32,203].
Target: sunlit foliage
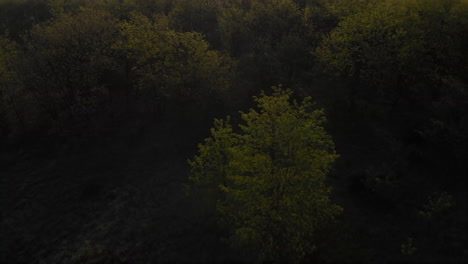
[169,63]
[269,179]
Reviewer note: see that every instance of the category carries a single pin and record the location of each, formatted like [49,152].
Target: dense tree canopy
[396,44]
[66,59]
[392,75]
[175,64]
[197,15]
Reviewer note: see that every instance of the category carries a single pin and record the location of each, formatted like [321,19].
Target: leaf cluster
[268,180]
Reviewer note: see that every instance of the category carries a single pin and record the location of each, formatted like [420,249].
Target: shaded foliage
[391,74]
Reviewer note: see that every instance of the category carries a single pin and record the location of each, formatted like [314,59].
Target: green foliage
[210,167]
[9,86]
[271,20]
[232,29]
[18,16]
[271,41]
[66,59]
[8,57]
[17,107]
[437,206]
[268,181]
[408,248]
[394,43]
[199,16]
[343,8]
[71,65]
[375,37]
[262,25]
[319,21]
[169,63]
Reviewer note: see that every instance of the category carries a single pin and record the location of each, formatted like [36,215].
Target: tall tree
[66,59]
[268,180]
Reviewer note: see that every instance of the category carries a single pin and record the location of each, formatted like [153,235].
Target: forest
[246,131]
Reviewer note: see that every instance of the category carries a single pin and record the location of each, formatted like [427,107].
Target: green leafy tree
[268,180]
[65,60]
[438,205]
[234,37]
[172,64]
[395,46]
[373,43]
[409,56]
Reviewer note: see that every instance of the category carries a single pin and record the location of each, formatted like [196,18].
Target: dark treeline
[391,75]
